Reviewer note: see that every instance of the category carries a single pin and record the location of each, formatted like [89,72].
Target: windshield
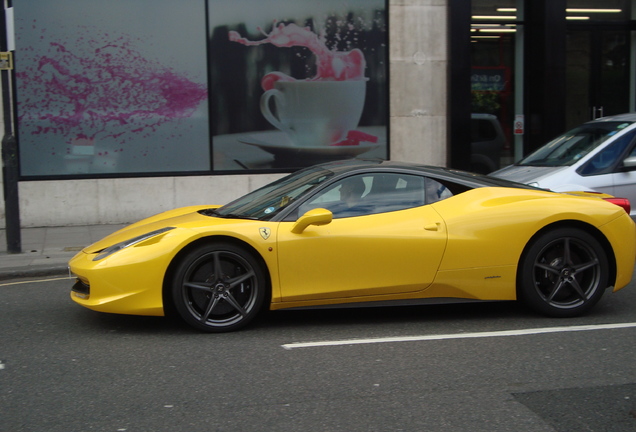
[573,145]
[264,203]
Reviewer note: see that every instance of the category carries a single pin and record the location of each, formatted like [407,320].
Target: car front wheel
[218,288]
[563,273]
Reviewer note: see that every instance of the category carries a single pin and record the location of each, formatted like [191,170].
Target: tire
[219,288]
[563,273]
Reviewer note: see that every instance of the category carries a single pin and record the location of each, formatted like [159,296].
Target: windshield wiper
[236,216]
[209,212]
[215,213]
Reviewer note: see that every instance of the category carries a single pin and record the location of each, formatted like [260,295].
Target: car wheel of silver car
[218,288]
[563,273]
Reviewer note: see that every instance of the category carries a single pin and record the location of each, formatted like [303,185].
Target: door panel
[597,71]
[613,86]
[625,186]
[625,183]
[578,78]
[385,253]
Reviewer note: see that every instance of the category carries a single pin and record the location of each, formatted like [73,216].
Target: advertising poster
[109,88]
[130,87]
[294,83]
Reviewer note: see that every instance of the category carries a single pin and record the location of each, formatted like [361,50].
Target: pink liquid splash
[331,65]
[355,137]
[100,87]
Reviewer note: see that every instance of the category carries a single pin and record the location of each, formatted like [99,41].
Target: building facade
[125,109]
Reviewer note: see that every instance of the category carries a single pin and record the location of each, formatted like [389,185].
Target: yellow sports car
[355,233]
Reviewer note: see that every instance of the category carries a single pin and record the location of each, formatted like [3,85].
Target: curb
[33,271]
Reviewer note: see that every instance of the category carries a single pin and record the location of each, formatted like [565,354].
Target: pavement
[47,250]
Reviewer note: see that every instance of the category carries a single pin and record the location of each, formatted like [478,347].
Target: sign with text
[489,79]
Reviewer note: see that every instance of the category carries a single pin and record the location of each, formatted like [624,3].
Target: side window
[436,191]
[374,193]
[607,159]
[343,198]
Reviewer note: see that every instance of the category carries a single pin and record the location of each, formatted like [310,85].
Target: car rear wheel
[563,273]
[218,288]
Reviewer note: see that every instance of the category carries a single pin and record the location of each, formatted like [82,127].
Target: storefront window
[600,66]
[598,70]
[132,87]
[598,10]
[495,38]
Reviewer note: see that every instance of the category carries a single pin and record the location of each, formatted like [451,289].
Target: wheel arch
[168,305]
[590,229]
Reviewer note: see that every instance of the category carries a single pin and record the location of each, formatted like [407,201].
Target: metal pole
[519,80]
[10,167]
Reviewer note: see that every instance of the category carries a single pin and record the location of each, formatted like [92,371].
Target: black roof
[353,166]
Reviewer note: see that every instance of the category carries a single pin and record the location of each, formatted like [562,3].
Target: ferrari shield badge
[265,232]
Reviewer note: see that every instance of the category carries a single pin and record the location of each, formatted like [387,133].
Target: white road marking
[35,281]
[522,332]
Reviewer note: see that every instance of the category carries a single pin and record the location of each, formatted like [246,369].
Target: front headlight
[123,245]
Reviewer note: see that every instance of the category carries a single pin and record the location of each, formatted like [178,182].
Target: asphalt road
[65,368]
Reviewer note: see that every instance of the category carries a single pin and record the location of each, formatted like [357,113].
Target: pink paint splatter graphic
[97,88]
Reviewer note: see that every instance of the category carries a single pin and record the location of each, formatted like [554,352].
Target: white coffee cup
[315,113]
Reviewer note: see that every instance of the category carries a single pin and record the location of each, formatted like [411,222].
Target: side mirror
[629,164]
[318,216]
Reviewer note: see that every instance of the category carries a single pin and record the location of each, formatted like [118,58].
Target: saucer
[278,144]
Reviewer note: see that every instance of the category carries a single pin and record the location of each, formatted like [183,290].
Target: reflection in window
[494,58]
[377,193]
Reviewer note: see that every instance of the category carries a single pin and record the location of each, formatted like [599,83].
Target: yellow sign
[6,60]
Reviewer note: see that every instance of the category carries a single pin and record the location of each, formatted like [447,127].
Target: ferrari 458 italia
[356,233]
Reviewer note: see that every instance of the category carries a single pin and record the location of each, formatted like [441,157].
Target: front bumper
[121,283]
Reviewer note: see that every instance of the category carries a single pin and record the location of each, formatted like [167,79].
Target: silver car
[597,156]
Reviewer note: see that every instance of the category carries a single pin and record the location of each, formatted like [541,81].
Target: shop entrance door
[598,73]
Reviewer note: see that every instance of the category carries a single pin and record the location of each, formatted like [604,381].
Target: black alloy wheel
[563,273]
[219,288]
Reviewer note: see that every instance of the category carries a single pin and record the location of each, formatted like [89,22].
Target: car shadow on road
[449,317]
[397,316]
[112,323]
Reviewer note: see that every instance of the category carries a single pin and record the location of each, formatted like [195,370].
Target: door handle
[433,227]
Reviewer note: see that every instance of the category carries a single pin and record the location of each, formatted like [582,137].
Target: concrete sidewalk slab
[46,251]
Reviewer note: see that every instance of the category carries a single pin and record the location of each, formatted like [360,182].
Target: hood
[183,218]
[526,174]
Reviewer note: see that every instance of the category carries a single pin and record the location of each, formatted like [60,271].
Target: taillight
[621,202]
